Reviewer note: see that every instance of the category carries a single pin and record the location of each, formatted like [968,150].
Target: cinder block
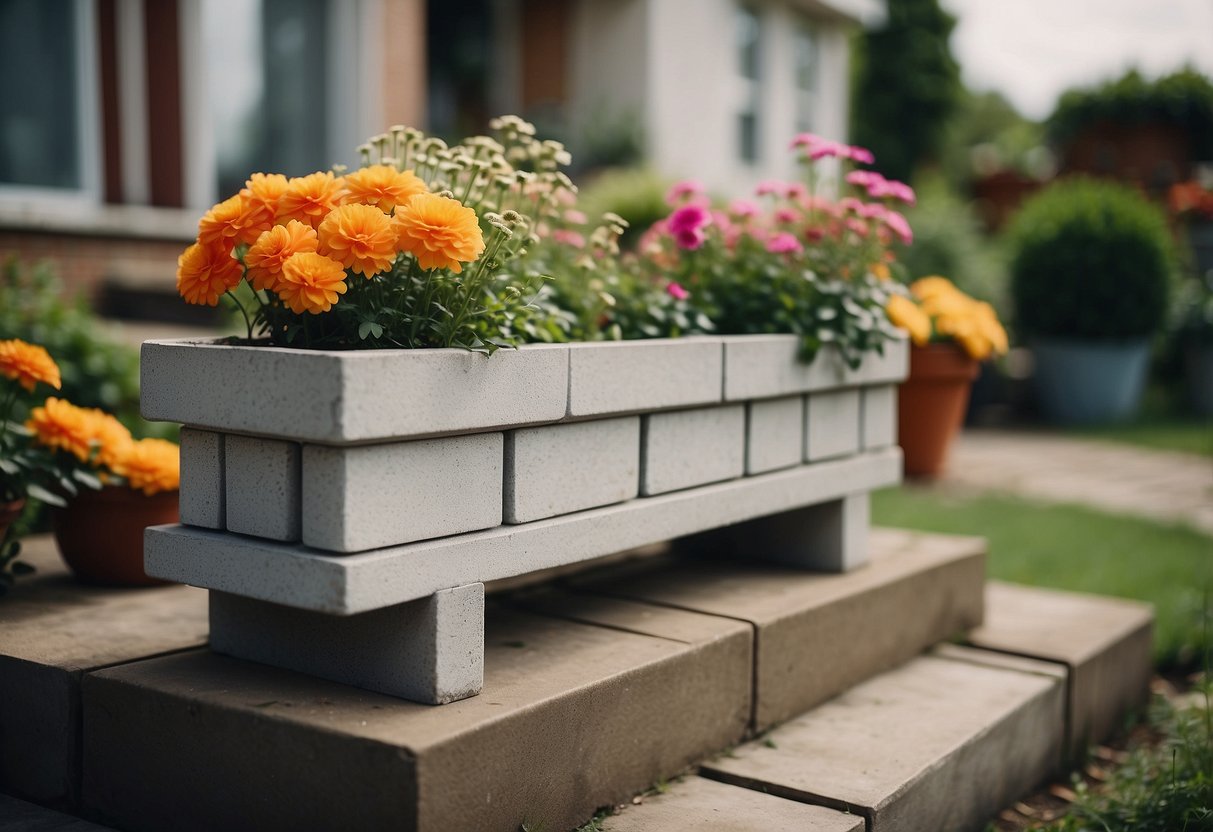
[879,417]
[818,634]
[345,585]
[370,496]
[1104,642]
[559,469]
[262,487]
[347,396]
[831,425]
[938,743]
[573,716]
[774,434]
[430,650]
[764,366]
[686,448]
[630,376]
[53,632]
[202,478]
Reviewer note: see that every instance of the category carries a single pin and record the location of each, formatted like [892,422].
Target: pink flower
[794,190]
[574,216]
[567,237]
[690,239]
[902,192]
[850,203]
[684,191]
[857,226]
[689,218]
[676,291]
[828,148]
[861,155]
[786,216]
[784,243]
[743,208]
[872,211]
[863,178]
[899,226]
[768,187]
[806,140]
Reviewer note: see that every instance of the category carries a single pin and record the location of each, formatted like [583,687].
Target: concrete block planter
[321,486]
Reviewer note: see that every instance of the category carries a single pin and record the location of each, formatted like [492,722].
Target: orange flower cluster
[98,439]
[938,307]
[28,364]
[301,237]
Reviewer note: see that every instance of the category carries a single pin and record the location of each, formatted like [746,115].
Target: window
[807,68]
[267,75]
[749,55]
[46,76]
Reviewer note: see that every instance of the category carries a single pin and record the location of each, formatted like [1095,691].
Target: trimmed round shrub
[1090,259]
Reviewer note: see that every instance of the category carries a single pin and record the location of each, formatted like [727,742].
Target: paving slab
[1104,642]
[573,716]
[696,803]
[938,743]
[52,631]
[817,634]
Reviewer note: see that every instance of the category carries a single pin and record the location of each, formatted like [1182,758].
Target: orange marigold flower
[311,282]
[28,364]
[265,257]
[383,186]
[262,192]
[80,431]
[150,466]
[906,314]
[440,232]
[235,220]
[360,237]
[206,272]
[309,198]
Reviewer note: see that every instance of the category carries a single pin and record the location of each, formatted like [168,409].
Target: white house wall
[674,62]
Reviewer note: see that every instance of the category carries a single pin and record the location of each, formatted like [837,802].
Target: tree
[907,86]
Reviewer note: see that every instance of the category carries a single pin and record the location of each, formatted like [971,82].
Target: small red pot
[100,533]
[931,405]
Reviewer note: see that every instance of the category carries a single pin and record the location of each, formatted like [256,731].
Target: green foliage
[1183,98]
[987,134]
[907,87]
[1166,787]
[97,370]
[1090,260]
[1082,550]
[635,194]
[949,241]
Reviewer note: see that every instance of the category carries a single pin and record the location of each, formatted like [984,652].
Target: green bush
[1183,98]
[1090,259]
[636,194]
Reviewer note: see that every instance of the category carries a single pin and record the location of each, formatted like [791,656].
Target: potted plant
[950,334]
[132,484]
[1090,278]
[436,359]
[1192,204]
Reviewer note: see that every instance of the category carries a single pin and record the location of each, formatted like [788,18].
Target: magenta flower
[806,140]
[784,243]
[786,216]
[863,178]
[743,209]
[861,155]
[899,226]
[683,191]
[872,211]
[689,217]
[768,187]
[902,192]
[676,291]
[828,149]
[690,239]
[850,203]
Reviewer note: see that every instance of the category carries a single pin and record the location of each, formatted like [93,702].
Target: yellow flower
[311,282]
[933,286]
[881,271]
[28,364]
[440,232]
[88,434]
[309,198]
[382,186]
[204,272]
[360,237]
[150,466]
[904,313]
[265,257]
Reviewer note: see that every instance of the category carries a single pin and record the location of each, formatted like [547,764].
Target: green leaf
[86,479]
[20,567]
[39,493]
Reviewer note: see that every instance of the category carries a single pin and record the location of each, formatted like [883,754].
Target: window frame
[750,104]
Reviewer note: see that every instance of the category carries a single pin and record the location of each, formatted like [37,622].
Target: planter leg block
[827,537]
[430,650]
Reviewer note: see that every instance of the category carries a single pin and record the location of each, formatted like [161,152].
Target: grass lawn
[1075,548]
[1189,435]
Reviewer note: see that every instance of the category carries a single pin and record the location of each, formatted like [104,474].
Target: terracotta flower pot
[100,533]
[9,512]
[931,405]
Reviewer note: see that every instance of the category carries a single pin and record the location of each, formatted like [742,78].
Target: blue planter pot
[1089,382]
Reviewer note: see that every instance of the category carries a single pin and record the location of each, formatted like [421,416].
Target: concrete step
[818,634]
[941,743]
[54,631]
